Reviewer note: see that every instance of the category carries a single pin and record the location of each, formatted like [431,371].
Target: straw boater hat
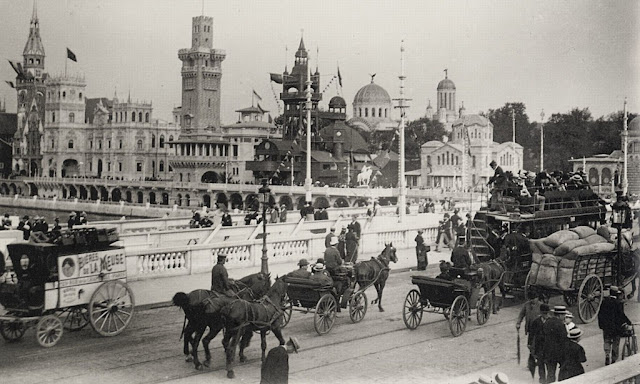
[575,333]
[303,262]
[500,378]
[484,379]
[560,310]
[318,267]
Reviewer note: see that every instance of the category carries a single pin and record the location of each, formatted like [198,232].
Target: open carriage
[454,299]
[65,281]
[306,295]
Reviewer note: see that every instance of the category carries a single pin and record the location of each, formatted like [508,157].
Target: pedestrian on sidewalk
[611,318]
[351,239]
[421,251]
[529,312]
[275,369]
[555,335]
[536,335]
[444,232]
[573,356]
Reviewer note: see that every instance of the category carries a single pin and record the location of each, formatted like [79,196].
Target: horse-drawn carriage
[65,281]
[306,295]
[453,298]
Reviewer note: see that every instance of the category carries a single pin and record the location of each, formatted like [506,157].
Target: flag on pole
[10,83]
[15,67]
[256,95]
[71,56]
[276,78]
[339,77]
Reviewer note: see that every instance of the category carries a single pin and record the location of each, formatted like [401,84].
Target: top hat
[303,262]
[560,310]
[294,343]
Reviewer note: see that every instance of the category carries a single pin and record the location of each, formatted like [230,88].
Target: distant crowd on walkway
[38,224]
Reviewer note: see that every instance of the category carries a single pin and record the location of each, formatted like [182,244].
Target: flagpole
[65,66]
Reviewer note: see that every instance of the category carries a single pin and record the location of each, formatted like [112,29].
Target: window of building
[90,144]
[99,144]
[359,112]
[90,167]
[373,112]
[161,166]
[133,117]
[153,141]
[171,138]
[30,61]
[53,143]
[53,117]
[385,112]
[473,162]
[235,151]
[146,117]
[80,96]
[366,112]
[72,117]
[209,103]
[108,166]
[438,160]
[120,144]
[379,112]
[70,145]
[139,144]
[161,141]
[64,94]
[109,144]
[138,167]
[119,166]
[140,117]
[37,61]
[428,161]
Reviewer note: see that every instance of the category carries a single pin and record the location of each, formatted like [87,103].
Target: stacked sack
[554,256]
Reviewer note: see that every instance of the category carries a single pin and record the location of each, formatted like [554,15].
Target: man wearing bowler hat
[220,278]
[275,369]
[611,318]
[555,335]
[302,270]
[536,335]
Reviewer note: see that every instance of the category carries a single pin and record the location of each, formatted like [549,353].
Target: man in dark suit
[327,238]
[219,277]
[611,318]
[537,338]
[355,226]
[555,335]
[275,369]
[499,180]
[302,271]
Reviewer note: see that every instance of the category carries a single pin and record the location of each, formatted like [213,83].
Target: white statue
[365,175]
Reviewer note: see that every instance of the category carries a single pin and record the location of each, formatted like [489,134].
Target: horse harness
[250,313]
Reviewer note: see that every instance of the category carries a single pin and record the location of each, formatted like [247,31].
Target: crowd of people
[38,224]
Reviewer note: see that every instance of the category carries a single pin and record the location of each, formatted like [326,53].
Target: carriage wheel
[74,318]
[12,330]
[483,308]
[325,314]
[287,309]
[458,316]
[111,308]
[49,330]
[570,298]
[589,298]
[358,307]
[412,310]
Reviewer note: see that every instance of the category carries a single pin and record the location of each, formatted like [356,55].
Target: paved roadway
[378,350]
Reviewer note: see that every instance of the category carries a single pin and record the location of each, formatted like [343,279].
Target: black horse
[202,309]
[376,272]
[241,318]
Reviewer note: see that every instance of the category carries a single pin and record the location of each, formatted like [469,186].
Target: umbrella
[518,344]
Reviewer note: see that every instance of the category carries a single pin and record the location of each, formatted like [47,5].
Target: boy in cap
[573,356]
[275,369]
[611,318]
[555,334]
[302,270]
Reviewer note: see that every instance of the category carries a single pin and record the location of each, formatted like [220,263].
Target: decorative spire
[34,43]
[302,51]
[317,58]
[34,14]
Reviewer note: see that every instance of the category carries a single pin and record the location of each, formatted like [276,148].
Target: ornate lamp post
[620,218]
[265,194]
[542,141]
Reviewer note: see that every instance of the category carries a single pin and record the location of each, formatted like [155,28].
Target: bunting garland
[329,83]
[275,97]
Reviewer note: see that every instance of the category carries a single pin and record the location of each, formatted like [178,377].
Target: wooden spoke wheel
[74,318]
[590,298]
[325,314]
[412,310]
[570,298]
[49,330]
[287,309]
[111,308]
[12,330]
[483,308]
[458,316]
[358,307]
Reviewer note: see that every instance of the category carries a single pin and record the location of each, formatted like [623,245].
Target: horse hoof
[230,374]
[199,367]
[207,363]
[188,358]
[381,309]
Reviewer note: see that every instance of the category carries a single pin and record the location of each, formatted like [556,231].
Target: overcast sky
[554,55]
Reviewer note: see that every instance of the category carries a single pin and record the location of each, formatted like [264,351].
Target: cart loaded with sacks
[453,298]
[65,280]
[580,264]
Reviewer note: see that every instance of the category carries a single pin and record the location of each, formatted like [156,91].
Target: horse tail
[180,299]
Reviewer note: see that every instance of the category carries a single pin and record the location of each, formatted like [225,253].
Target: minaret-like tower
[294,96]
[31,90]
[201,76]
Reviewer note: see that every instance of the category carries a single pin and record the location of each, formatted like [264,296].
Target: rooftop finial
[446,73]
[372,76]
[34,15]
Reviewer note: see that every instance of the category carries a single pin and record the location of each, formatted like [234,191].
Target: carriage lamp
[265,194]
[620,218]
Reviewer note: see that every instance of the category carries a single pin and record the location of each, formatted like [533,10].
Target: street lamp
[620,218]
[265,194]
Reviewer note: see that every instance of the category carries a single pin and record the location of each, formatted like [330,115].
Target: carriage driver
[220,281]
[333,261]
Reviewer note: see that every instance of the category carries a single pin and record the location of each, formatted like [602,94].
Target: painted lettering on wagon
[99,262]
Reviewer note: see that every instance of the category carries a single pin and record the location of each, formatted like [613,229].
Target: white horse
[365,175]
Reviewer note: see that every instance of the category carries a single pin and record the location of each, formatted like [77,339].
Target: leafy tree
[502,121]
[566,136]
